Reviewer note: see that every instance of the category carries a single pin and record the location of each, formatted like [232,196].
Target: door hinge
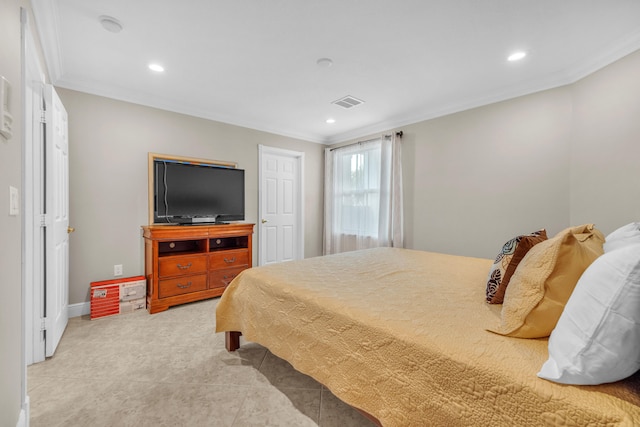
[43,323]
[43,116]
[44,220]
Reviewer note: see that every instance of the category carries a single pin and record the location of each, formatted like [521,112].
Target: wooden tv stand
[193,262]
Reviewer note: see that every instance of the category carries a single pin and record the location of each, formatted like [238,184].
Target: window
[357,191]
[358,196]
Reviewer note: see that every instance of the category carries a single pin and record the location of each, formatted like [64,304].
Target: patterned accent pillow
[544,280]
[506,262]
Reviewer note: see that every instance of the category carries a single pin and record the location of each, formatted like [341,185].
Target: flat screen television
[196,193]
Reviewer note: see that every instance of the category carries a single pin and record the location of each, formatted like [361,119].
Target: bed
[402,336]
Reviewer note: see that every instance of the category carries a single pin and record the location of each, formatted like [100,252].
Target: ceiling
[254,63]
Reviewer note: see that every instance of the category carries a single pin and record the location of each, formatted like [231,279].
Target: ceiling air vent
[348,102]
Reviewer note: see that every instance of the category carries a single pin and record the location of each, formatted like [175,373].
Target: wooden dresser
[195,262]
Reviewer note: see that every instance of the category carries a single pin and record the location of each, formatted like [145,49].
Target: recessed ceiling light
[324,62]
[156,67]
[516,56]
[330,121]
[110,23]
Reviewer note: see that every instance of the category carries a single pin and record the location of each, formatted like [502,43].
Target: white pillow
[625,235]
[597,338]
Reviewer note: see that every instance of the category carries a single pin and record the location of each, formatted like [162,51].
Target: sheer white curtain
[363,196]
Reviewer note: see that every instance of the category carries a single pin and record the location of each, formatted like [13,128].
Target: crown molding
[606,56]
[557,79]
[125,95]
[47,19]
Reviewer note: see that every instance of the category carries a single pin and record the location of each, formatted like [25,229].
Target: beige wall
[605,151]
[108,144]
[11,358]
[556,158]
[477,178]
[474,179]
[10,226]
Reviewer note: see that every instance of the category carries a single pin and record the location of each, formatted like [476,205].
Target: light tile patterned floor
[171,369]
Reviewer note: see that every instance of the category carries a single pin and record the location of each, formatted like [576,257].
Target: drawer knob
[230,261]
[181,286]
[184,267]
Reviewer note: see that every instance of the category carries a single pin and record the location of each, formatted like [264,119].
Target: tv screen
[197,193]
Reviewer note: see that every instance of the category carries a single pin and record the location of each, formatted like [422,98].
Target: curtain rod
[398,134]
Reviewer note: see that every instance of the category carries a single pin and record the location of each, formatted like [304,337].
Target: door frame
[33,245]
[299,158]
[31,235]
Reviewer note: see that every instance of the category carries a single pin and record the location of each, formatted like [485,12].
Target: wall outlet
[117,270]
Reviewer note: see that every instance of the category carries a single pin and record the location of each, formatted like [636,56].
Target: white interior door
[281,228]
[56,220]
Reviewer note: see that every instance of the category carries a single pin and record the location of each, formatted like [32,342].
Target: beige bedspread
[401,335]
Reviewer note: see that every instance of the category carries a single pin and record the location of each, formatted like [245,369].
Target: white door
[56,220]
[281,228]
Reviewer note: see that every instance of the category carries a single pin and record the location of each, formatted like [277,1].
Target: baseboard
[23,418]
[80,309]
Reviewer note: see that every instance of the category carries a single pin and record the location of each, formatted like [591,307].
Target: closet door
[281,228]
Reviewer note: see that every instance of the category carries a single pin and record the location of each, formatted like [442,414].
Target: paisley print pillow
[506,262]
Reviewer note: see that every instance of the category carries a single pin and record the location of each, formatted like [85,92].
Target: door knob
[264,220]
[70,230]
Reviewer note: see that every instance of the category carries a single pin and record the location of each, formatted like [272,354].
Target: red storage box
[117,296]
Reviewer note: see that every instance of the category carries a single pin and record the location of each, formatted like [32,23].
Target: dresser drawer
[230,258]
[176,266]
[222,278]
[182,285]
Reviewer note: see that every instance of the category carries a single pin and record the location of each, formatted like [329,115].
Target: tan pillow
[506,262]
[544,280]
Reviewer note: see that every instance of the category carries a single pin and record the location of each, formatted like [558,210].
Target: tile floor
[171,369]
